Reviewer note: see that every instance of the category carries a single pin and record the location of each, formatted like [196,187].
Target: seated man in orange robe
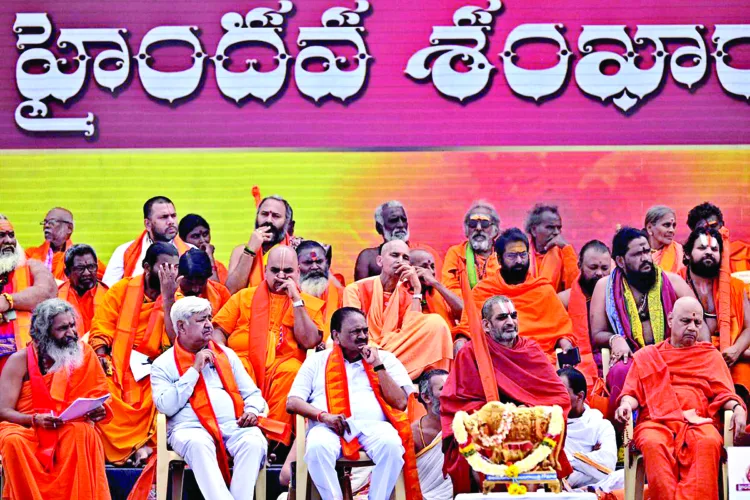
[704,249]
[481,227]
[130,323]
[270,327]
[247,264]
[82,289]
[681,387]
[23,285]
[194,230]
[45,457]
[436,297]
[315,279]
[660,224]
[540,313]
[551,256]
[195,279]
[594,262]
[518,371]
[707,214]
[160,223]
[58,227]
[392,302]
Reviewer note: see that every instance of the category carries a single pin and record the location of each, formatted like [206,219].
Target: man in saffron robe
[660,224]
[160,222]
[392,303]
[195,280]
[540,313]
[436,297]
[82,289]
[194,230]
[247,264]
[23,285]
[270,327]
[355,397]
[315,280]
[629,308]
[551,256]
[44,457]
[212,405]
[522,374]
[704,249]
[681,387]
[130,323]
[707,214]
[58,227]
[594,262]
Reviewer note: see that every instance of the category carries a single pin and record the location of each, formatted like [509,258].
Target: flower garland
[506,423]
[481,464]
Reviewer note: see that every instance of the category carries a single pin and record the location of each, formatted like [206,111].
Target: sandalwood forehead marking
[5,225]
[515,246]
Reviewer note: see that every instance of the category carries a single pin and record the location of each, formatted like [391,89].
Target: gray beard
[314,286]
[68,358]
[402,235]
[435,406]
[9,263]
[480,246]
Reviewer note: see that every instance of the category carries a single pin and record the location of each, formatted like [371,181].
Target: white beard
[68,358]
[314,286]
[399,234]
[10,262]
[480,246]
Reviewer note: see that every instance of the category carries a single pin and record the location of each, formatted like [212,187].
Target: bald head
[282,266]
[686,322]
[422,259]
[393,255]
[58,226]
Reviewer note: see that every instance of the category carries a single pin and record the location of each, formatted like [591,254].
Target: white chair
[635,469]
[305,488]
[166,457]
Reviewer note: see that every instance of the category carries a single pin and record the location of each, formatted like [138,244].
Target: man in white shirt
[589,434]
[211,403]
[351,372]
[160,222]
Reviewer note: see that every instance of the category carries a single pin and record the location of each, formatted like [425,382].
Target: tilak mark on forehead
[506,307]
[5,225]
[515,246]
[709,241]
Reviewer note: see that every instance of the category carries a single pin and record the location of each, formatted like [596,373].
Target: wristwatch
[299,303]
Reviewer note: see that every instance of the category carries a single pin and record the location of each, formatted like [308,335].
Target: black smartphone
[570,358]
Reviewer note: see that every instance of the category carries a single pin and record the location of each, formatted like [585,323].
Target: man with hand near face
[436,297]
[550,255]
[271,327]
[392,303]
[355,397]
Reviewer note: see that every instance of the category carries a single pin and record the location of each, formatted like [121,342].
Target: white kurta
[583,434]
[187,437]
[376,435]
[430,467]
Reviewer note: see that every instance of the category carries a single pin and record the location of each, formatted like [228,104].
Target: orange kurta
[420,341]
[434,303]
[334,299]
[578,310]
[741,370]
[558,265]
[85,305]
[221,271]
[55,261]
[217,294]
[128,320]
[682,459]
[283,357]
[739,256]
[78,463]
[455,265]
[669,258]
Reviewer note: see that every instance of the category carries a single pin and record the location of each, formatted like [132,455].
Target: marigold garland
[480,463]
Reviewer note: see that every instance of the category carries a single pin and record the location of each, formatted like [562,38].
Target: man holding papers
[212,405]
[355,397]
[46,457]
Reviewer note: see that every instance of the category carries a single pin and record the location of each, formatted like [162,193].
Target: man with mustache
[271,327]
[194,230]
[704,249]
[518,372]
[551,256]
[23,285]
[629,309]
[709,215]
[247,264]
[315,280]
[82,290]
[680,387]
[540,313]
[160,222]
[428,439]
[129,322]
[436,297]
[44,457]
[392,302]
[58,227]
[594,263]
[212,405]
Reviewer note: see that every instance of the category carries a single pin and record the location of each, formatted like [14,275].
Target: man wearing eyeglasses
[551,256]
[82,290]
[58,227]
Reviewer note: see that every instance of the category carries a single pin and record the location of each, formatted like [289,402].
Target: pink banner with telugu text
[383,74]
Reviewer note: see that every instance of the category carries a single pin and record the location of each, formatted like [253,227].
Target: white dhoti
[430,468]
[246,445]
[378,439]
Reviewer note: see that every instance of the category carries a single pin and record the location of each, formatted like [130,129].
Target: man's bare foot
[141,456]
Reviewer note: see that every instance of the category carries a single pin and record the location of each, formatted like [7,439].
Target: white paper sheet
[139,365]
[81,406]
[348,436]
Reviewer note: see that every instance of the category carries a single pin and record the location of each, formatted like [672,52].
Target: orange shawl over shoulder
[133,253]
[83,318]
[558,265]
